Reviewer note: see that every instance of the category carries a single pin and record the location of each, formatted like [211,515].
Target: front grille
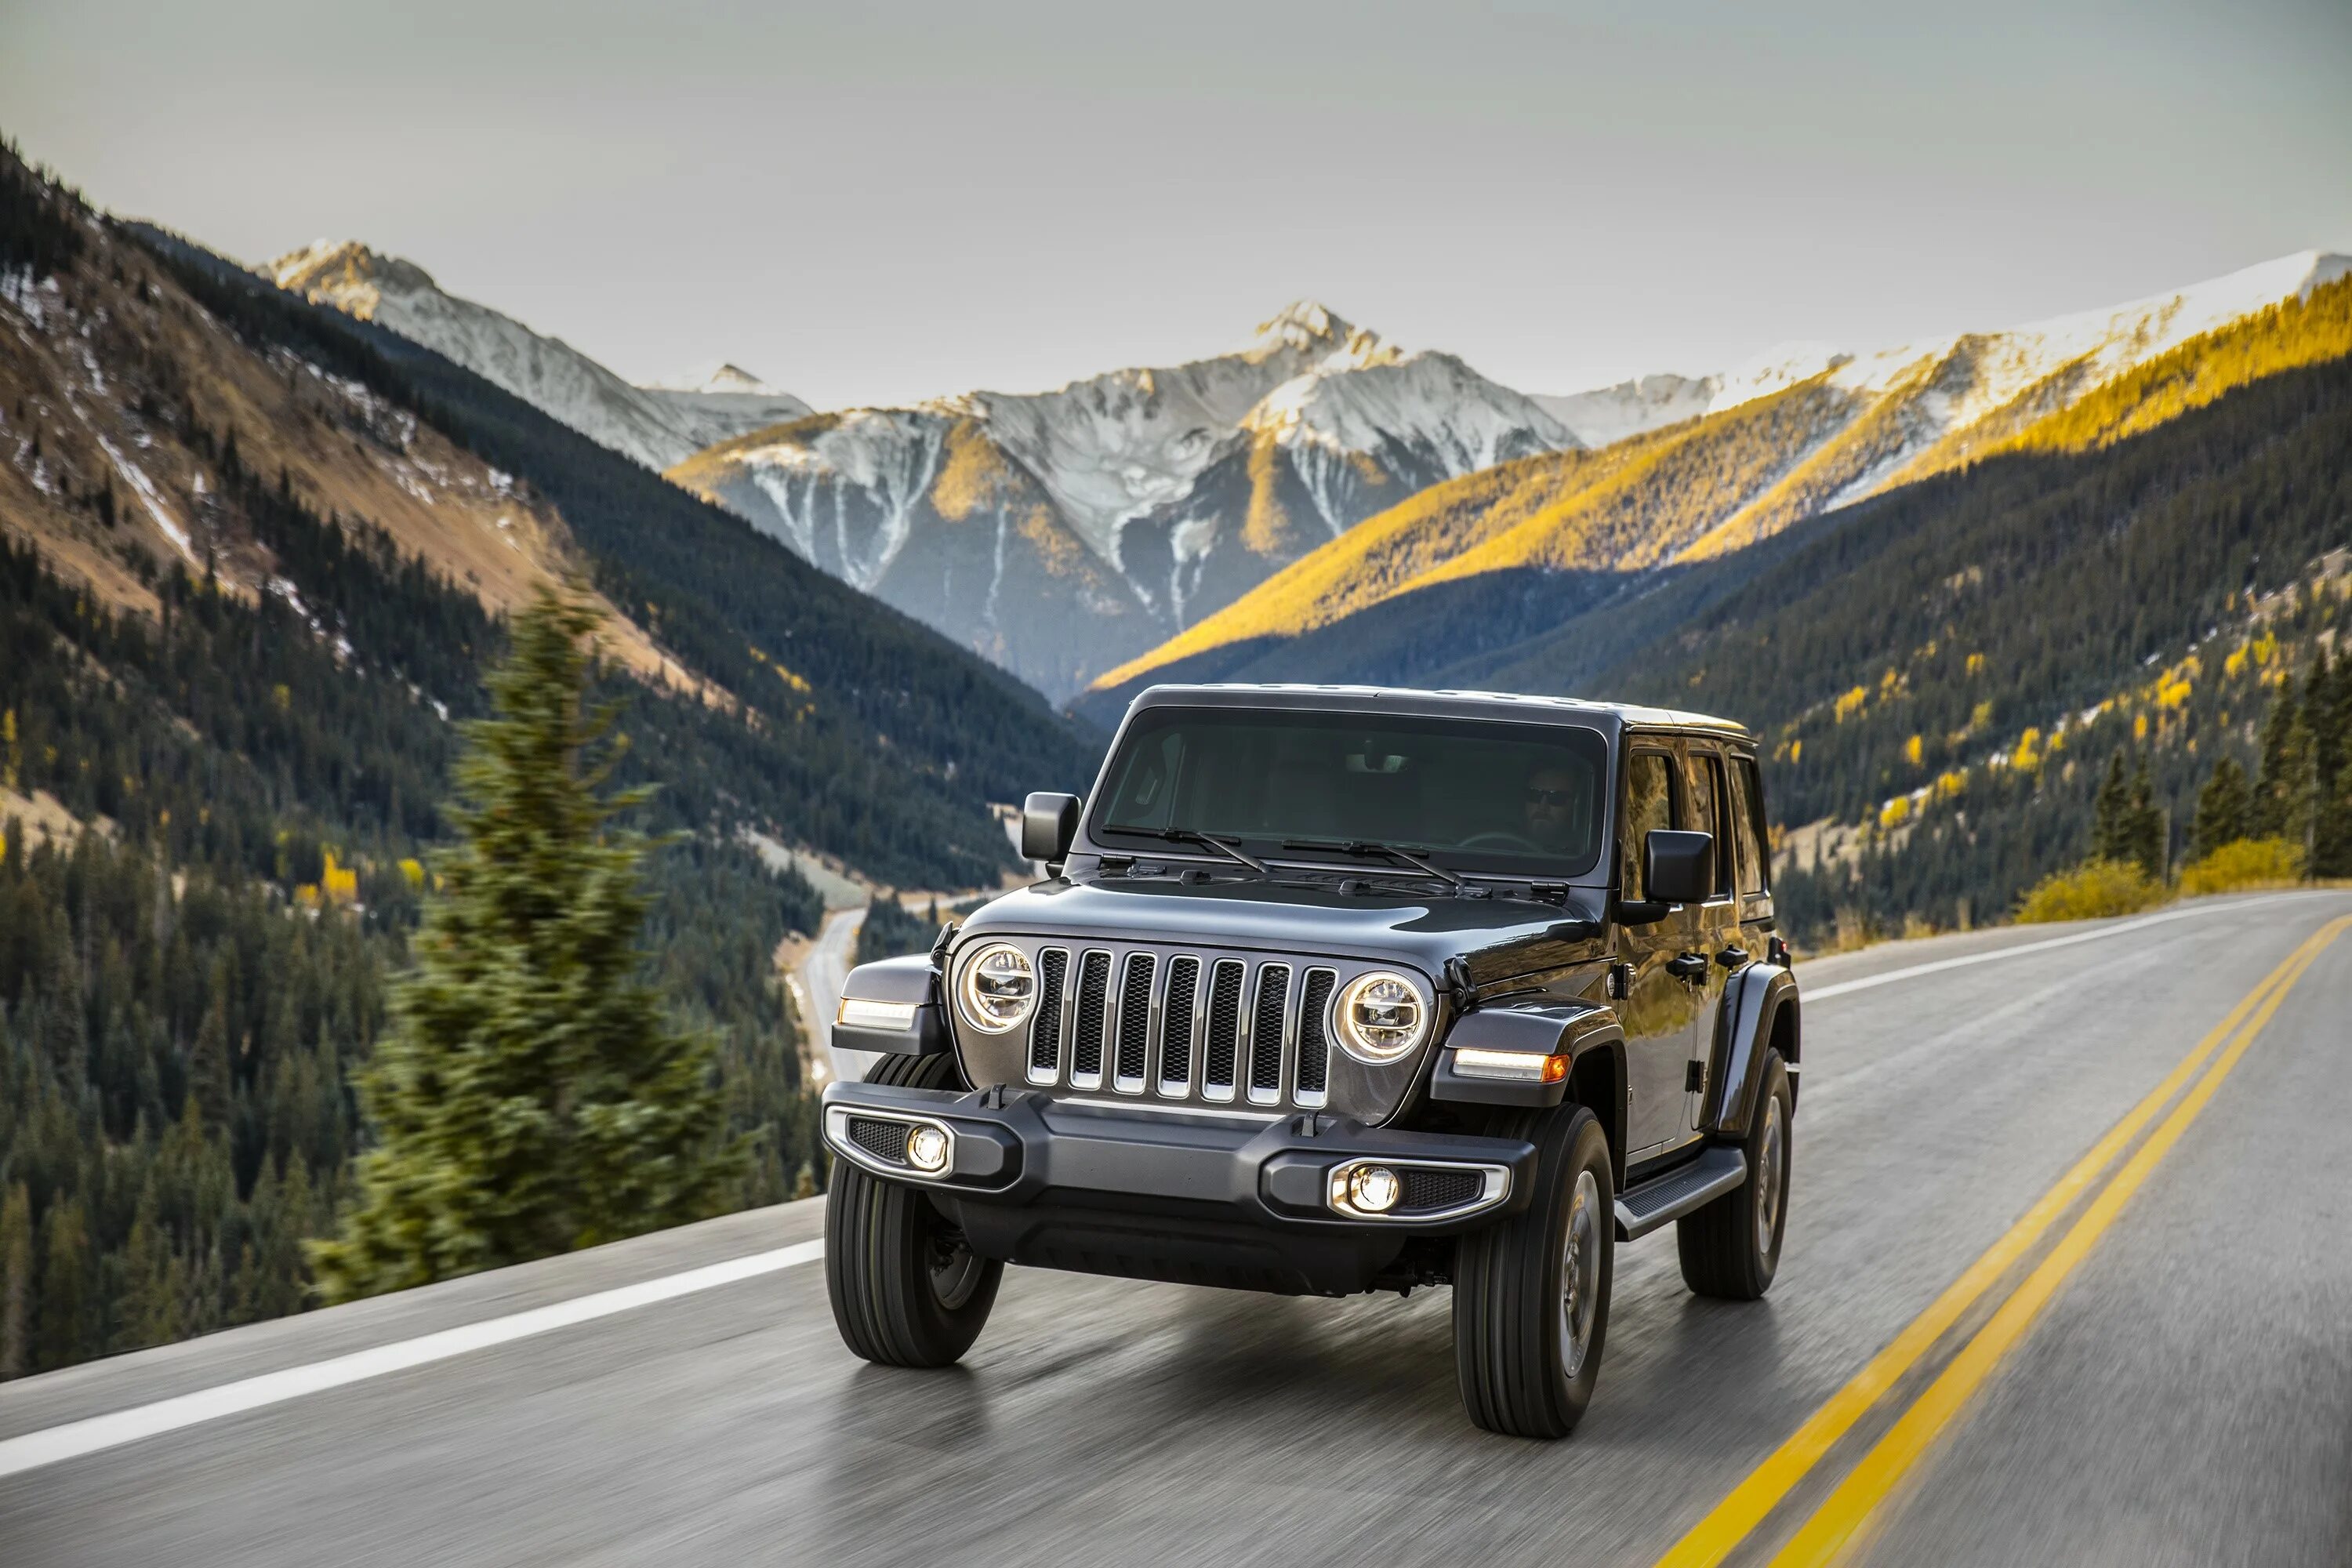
[1045,1033]
[884,1139]
[1224,1029]
[1265,1031]
[1426,1189]
[1176,1023]
[1135,1020]
[1094,1007]
[1314,1049]
[1179,1027]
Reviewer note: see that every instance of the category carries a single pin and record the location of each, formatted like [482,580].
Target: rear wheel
[1731,1248]
[906,1288]
[1531,1292]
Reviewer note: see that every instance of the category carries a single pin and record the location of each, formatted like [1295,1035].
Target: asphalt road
[2185,1396]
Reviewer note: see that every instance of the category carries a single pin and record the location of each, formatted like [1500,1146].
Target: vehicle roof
[1442,703]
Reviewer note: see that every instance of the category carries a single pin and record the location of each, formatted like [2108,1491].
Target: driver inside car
[1550,806]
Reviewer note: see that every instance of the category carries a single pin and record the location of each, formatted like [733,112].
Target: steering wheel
[1499,839]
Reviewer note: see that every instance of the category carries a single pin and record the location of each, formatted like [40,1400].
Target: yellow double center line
[1838,1519]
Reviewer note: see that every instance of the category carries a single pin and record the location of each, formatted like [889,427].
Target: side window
[1711,812]
[1649,802]
[1747,813]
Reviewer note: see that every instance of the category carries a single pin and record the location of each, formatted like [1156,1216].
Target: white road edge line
[1811,995]
[35,1450]
[55,1444]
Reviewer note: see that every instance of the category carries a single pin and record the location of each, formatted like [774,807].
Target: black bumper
[1198,1197]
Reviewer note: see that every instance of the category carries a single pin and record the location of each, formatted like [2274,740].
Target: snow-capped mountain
[1892,416]
[1723,461]
[1608,414]
[1062,531]
[657,426]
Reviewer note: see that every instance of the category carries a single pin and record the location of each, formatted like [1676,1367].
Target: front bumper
[1190,1196]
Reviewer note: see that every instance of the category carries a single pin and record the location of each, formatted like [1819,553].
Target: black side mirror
[1049,824]
[1678,867]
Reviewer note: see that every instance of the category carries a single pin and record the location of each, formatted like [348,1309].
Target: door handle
[1687,965]
[1732,957]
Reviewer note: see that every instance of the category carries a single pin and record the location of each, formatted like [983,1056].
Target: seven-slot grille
[1185,1027]
[1046,1042]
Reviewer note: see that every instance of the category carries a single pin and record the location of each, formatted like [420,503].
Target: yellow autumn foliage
[2094,890]
[2245,863]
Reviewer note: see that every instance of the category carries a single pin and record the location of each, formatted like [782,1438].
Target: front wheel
[1731,1248]
[1531,1292]
[906,1288]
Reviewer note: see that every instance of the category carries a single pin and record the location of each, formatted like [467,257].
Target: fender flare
[914,981]
[1578,1030]
[1751,1013]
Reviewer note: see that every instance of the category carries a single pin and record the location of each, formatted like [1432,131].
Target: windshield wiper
[1190,836]
[1362,846]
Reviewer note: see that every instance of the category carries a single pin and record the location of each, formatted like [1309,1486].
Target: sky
[885,203]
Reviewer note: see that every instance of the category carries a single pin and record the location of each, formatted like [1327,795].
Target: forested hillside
[1947,670]
[228,705]
[1942,672]
[188,985]
[890,742]
[1469,567]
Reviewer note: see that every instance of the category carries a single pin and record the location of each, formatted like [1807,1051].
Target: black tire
[1511,1343]
[906,1289]
[1731,1248]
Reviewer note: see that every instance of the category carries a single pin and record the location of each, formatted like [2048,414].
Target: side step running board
[1642,1209]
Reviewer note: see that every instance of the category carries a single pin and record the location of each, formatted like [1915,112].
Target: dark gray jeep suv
[1341,989]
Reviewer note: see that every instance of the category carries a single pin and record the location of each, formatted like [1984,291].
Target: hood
[1498,937]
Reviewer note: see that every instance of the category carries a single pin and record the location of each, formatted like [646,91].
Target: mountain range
[655,425]
[1060,533]
[1474,564]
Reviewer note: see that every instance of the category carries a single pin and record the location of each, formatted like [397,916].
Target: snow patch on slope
[1635,407]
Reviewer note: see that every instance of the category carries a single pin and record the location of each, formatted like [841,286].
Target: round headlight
[1380,1017]
[998,989]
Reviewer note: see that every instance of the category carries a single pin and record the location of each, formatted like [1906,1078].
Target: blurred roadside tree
[2224,809]
[531,1099]
[2128,825]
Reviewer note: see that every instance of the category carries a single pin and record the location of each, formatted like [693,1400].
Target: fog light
[928,1147]
[1373,1188]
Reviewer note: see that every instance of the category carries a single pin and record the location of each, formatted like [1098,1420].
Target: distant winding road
[2066,1284]
[819,979]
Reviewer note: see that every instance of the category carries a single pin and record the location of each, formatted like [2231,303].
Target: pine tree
[208,1064]
[2224,809]
[2110,830]
[64,1337]
[2327,714]
[531,1099]
[15,1282]
[2284,786]
[2331,828]
[2143,827]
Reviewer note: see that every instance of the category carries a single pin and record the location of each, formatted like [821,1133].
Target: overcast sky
[884,202]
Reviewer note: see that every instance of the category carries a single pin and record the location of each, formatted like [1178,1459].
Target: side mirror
[1049,824]
[1678,867]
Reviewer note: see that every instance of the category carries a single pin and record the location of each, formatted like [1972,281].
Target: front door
[1659,1008]
[1717,937]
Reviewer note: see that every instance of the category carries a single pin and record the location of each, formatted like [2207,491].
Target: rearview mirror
[1678,867]
[1049,824]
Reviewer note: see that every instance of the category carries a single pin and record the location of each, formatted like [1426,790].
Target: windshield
[1478,794]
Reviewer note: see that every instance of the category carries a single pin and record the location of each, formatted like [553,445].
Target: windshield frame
[1101,840]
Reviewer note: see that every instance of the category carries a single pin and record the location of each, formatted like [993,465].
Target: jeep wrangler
[1332,990]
